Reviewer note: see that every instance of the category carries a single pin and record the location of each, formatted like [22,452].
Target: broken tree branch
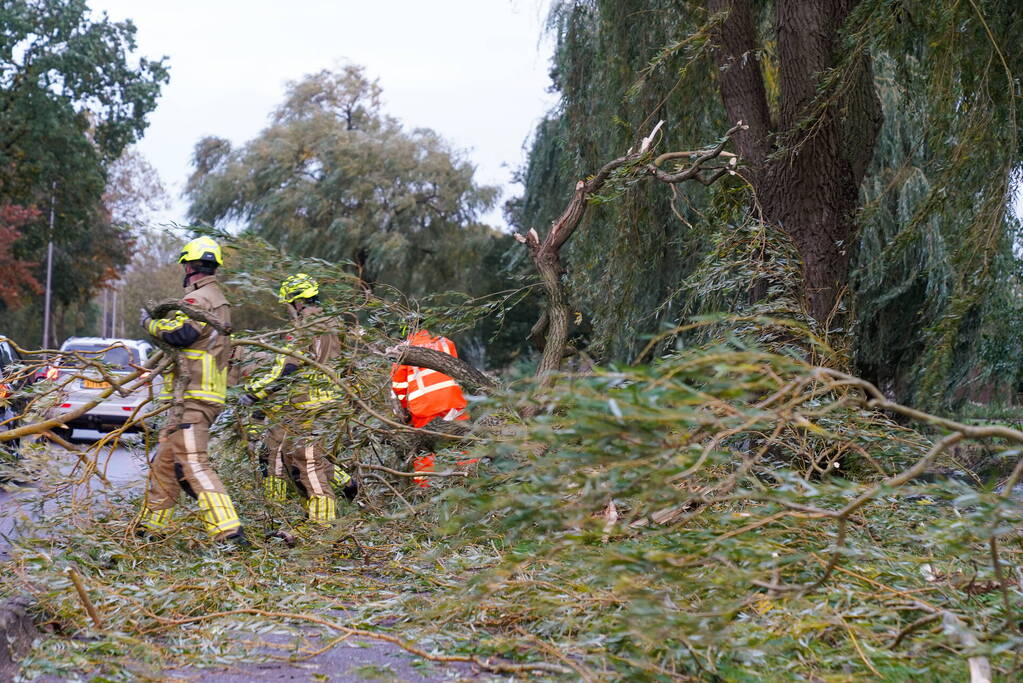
[465,374]
[552,328]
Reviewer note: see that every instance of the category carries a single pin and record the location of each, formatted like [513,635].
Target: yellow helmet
[299,286]
[202,249]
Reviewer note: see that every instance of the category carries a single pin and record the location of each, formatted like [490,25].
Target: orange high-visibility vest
[427,394]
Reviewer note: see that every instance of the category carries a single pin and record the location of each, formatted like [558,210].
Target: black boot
[350,490]
[237,541]
[290,539]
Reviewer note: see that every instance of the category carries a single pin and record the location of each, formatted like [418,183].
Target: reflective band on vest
[429,389]
[212,381]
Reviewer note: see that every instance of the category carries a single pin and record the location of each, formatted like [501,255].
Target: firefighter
[294,450]
[426,395]
[181,462]
[262,428]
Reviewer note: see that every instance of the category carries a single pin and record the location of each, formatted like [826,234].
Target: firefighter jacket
[206,352]
[428,394]
[315,338]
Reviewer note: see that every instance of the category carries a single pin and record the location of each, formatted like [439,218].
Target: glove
[144,319]
[247,400]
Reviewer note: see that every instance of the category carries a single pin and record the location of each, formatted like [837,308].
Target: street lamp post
[49,278]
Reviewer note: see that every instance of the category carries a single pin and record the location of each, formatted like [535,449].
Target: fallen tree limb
[90,464]
[465,374]
[397,473]
[336,381]
[551,329]
[484,663]
[161,309]
[162,364]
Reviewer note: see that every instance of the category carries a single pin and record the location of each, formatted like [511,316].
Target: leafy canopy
[334,177]
[71,101]
[931,290]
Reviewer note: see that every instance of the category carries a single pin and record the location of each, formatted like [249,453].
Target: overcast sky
[473,70]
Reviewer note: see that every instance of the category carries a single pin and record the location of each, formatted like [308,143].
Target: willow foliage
[931,296]
[333,177]
[727,509]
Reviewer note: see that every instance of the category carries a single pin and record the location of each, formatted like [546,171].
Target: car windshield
[117,357]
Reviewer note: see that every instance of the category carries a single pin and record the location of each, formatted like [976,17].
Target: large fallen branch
[160,364]
[337,382]
[552,328]
[167,358]
[465,374]
[872,398]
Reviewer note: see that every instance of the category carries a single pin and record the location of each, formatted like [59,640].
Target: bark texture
[807,166]
[465,374]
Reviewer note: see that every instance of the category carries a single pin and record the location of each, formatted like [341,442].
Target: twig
[488,664]
[76,579]
[859,650]
[584,673]
[922,621]
[66,445]
[393,490]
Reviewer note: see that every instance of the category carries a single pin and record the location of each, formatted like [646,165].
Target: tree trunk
[807,167]
[361,260]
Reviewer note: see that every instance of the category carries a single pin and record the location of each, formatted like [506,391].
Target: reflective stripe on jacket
[259,386]
[428,394]
[313,387]
[207,357]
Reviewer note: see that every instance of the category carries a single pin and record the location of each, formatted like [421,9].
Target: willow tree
[917,160]
[334,177]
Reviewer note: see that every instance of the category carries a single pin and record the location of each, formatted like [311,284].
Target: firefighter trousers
[293,449]
[271,464]
[276,474]
[181,464]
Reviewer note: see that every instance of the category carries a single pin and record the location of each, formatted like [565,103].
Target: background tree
[134,191]
[18,279]
[335,178]
[70,103]
[152,275]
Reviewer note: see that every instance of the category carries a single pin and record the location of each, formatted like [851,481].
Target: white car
[121,357]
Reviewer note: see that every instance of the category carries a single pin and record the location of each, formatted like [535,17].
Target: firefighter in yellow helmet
[295,450]
[181,462]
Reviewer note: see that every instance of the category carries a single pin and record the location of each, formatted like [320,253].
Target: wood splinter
[76,579]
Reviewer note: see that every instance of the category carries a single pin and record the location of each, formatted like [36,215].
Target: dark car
[11,404]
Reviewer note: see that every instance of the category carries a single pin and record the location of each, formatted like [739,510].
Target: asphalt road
[355,660]
[122,469]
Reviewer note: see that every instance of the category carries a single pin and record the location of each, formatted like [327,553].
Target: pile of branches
[734,506]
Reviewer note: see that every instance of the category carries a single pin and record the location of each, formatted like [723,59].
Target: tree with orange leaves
[17,275]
